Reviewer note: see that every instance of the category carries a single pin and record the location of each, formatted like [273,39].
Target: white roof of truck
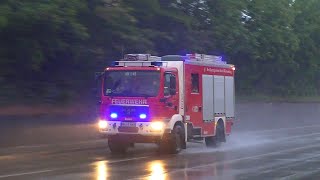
[196,59]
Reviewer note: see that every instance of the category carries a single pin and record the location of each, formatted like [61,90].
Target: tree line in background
[49,49]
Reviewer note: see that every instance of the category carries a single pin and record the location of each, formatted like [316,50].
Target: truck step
[196,132]
[196,141]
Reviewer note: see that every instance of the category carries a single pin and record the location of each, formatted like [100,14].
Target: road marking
[301,175]
[281,129]
[246,158]
[144,157]
[101,140]
[124,160]
[294,137]
[49,145]
[285,164]
[59,169]
[5,157]
[195,167]
[26,173]
[235,160]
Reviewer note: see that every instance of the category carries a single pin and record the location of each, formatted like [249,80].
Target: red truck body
[144,98]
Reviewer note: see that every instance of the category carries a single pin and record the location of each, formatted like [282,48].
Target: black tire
[117,146]
[211,142]
[173,143]
[215,141]
[221,132]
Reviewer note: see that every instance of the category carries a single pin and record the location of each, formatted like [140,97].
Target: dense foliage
[50,48]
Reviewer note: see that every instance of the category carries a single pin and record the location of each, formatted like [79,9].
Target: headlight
[103,124]
[157,126]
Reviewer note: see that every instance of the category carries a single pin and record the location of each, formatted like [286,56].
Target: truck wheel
[215,141]
[117,146]
[173,142]
[211,141]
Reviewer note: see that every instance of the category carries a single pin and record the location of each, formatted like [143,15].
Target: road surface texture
[269,141]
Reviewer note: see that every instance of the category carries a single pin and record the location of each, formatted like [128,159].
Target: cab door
[171,91]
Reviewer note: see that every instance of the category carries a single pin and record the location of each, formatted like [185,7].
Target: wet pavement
[282,144]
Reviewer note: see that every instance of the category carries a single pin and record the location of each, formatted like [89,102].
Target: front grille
[129,111]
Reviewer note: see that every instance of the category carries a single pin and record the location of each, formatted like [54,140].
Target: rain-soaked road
[277,141]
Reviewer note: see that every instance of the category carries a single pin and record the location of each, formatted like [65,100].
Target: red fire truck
[167,100]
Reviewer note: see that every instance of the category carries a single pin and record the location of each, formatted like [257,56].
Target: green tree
[51,48]
[307,27]
[270,24]
[38,36]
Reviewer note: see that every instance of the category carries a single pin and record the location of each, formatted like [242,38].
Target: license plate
[128,124]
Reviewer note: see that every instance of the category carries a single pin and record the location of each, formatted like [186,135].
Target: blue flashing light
[113,115]
[143,116]
[114,63]
[156,64]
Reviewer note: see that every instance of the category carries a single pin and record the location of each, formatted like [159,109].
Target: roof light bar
[141,57]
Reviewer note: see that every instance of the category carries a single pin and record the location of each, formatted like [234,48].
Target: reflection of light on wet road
[157,171]
[102,171]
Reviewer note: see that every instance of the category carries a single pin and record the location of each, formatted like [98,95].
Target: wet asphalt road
[281,141]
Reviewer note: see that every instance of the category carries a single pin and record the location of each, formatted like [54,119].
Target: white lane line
[171,172]
[295,137]
[285,164]
[246,158]
[50,145]
[234,160]
[5,157]
[132,159]
[301,175]
[102,140]
[125,160]
[281,129]
[26,173]
[144,157]
[59,169]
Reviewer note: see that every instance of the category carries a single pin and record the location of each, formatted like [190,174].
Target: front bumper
[140,128]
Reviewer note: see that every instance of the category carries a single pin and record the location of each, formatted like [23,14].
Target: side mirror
[98,82]
[98,75]
[96,92]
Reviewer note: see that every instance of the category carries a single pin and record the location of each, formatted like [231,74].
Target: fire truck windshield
[132,83]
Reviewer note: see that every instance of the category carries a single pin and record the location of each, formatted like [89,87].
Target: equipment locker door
[193,95]
[207,98]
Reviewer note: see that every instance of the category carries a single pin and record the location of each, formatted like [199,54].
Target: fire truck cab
[167,100]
